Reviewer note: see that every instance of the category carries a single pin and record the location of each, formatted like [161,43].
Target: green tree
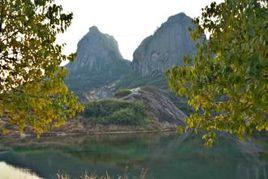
[226,82]
[32,92]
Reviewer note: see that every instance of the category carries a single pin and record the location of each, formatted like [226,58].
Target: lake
[159,156]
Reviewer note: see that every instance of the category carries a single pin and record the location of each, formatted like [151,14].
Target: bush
[114,111]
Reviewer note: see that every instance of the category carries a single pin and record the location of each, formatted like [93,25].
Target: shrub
[114,111]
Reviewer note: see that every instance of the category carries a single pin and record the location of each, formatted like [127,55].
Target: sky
[128,21]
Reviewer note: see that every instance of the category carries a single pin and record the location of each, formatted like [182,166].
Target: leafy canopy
[32,92]
[226,82]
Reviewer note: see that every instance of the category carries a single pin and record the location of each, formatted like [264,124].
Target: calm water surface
[164,156]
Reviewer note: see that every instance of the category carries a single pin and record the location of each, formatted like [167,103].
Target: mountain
[98,63]
[100,70]
[166,47]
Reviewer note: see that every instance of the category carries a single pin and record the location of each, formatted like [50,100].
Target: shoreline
[7,143]
[108,132]
[86,133]
[77,127]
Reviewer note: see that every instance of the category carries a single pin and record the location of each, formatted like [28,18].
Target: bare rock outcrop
[159,105]
[166,47]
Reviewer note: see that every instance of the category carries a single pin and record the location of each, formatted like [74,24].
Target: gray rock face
[95,50]
[98,62]
[166,47]
[158,104]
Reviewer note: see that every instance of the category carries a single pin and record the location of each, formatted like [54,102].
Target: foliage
[226,83]
[122,93]
[32,91]
[106,176]
[113,111]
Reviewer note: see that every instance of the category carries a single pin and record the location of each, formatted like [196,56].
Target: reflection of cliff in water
[252,171]
[164,155]
[255,167]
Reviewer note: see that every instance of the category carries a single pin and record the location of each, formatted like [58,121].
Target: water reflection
[10,172]
[165,156]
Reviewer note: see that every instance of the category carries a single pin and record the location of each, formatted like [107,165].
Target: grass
[143,175]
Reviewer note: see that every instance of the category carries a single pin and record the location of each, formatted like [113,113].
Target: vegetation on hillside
[114,111]
[227,81]
[32,92]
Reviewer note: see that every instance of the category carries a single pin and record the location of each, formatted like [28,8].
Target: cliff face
[98,62]
[159,105]
[166,47]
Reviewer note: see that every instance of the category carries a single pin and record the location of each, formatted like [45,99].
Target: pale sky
[129,21]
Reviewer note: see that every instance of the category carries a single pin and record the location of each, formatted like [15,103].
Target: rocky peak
[166,47]
[98,62]
[95,50]
[94,29]
[178,17]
